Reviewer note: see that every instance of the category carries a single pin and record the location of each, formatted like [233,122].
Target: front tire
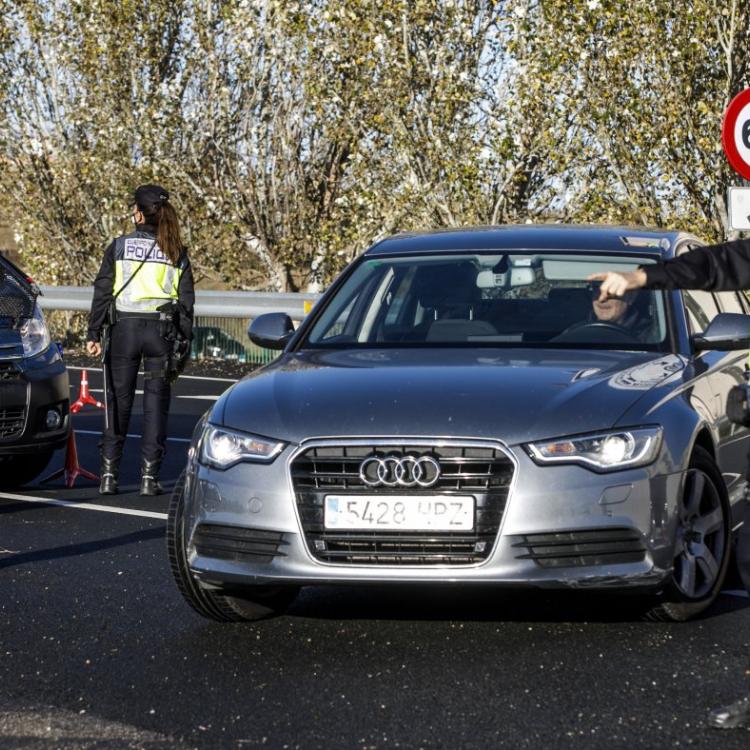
[243,605]
[702,543]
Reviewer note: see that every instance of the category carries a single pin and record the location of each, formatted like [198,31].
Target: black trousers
[133,339]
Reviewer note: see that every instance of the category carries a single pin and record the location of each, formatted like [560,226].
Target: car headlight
[604,451]
[34,334]
[222,448]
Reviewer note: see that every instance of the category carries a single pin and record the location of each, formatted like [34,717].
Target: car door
[723,370]
[734,439]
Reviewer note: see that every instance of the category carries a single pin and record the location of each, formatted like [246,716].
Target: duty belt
[145,314]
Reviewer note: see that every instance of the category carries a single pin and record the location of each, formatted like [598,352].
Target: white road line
[130,435]
[82,506]
[140,393]
[100,390]
[205,377]
[186,377]
[736,592]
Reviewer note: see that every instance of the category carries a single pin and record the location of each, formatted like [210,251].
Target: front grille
[238,543]
[572,549]
[483,472]
[11,422]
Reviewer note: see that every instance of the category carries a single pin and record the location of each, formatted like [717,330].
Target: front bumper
[545,505]
[28,389]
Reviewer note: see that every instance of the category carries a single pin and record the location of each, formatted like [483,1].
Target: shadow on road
[85,548]
[480,604]
[11,507]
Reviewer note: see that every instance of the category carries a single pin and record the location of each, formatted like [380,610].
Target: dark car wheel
[18,470]
[702,549]
[248,603]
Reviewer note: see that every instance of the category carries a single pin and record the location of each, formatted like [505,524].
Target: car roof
[547,237]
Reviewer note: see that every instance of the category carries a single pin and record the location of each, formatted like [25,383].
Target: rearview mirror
[512,278]
[726,332]
[271,331]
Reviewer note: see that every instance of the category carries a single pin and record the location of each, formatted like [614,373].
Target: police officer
[143,303]
[723,267]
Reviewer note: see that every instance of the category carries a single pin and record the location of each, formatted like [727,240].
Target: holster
[178,346]
[111,313]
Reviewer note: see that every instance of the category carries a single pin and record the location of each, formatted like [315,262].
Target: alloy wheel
[700,543]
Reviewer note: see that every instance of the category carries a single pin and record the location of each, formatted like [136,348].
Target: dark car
[34,390]
[460,408]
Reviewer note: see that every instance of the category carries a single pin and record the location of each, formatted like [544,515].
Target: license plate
[399,513]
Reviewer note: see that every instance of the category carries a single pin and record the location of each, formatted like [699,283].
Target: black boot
[734,715]
[110,474]
[150,478]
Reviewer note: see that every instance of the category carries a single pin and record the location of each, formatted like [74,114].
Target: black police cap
[147,196]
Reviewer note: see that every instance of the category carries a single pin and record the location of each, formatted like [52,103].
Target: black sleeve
[186,300]
[103,290]
[718,268]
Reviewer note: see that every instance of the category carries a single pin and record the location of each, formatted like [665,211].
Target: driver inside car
[617,319]
[615,310]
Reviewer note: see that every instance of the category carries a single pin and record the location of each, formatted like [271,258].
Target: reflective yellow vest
[155,283]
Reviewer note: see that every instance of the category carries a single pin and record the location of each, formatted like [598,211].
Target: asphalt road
[98,650]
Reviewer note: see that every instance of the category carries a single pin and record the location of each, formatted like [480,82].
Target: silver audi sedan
[460,407]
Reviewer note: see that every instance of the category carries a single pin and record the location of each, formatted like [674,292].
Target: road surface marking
[82,505]
[140,393]
[101,390]
[130,435]
[186,377]
[205,377]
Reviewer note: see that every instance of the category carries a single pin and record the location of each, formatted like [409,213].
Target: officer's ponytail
[168,232]
[163,216]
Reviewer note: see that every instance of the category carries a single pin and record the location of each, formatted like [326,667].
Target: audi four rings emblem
[399,471]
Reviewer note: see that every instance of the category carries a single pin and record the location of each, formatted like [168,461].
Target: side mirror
[726,332]
[271,331]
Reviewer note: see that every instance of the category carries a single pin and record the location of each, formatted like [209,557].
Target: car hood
[514,395]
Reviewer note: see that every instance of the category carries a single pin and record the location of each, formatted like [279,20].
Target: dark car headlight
[221,447]
[603,451]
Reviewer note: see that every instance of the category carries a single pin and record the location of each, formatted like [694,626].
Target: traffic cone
[84,396]
[72,469]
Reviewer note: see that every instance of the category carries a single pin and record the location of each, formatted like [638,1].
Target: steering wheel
[622,334]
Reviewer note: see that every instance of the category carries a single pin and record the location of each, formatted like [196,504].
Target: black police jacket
[104,290]
[720,268]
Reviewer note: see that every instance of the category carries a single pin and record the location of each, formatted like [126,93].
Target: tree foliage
[293,133]
[654,79]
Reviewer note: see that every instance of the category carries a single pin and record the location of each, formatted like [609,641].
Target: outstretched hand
[615,284]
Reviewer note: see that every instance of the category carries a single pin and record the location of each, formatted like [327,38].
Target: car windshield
[512,298]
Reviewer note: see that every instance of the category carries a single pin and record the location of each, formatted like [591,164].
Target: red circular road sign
[735,133]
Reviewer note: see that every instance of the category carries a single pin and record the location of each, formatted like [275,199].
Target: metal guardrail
[221,318]
[207,303]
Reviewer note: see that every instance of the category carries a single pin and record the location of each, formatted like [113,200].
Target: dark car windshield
[489,299]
